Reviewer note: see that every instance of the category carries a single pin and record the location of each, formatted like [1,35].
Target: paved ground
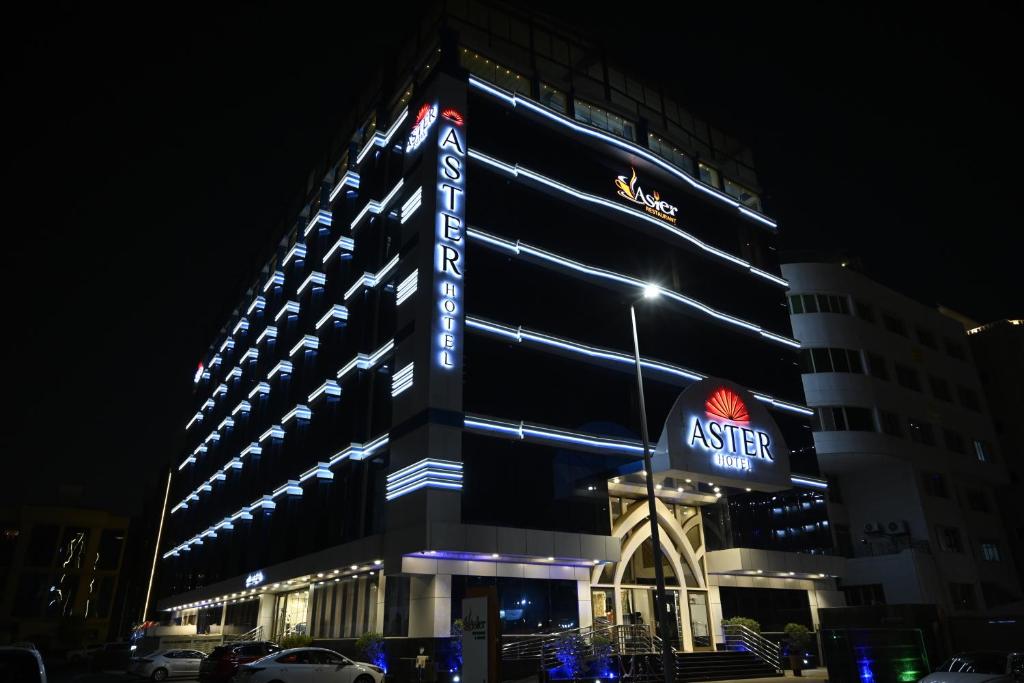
[810,676]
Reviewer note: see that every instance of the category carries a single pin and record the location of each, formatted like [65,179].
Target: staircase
[720,666]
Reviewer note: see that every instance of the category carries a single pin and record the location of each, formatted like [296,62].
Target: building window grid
[603,119]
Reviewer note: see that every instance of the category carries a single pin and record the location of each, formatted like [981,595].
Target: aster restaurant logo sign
[630,190]
[718,431]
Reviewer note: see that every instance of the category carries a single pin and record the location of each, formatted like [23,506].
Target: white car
[22,664]
[308,665]
[164,664]
[980,667]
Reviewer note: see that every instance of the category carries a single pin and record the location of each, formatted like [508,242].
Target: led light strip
[252,353]
[427,473]
[284,367]
[299,412]
[370,280]
[356,451]
[308,342]
[616,359]
[402,380]
[517,171]
[539,255]
[270,332]
[406,287]
[525,431]
[363,361]
[328,388]
[515,99]
[275,280]
[290,307]
[315,278]
[411,204]
[336,312]
[261,388]
[380,139]
[809,482]
[376,207]
[198,417]
[258,304]
[228,344]
[242,407]
[342,244]
[298,252]
[322,217]
[350,179]
[242,324]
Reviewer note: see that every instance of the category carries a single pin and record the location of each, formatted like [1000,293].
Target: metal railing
[587,641]
[739,638]
[254,634]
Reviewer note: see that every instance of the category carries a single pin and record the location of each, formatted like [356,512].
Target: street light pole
[661,605]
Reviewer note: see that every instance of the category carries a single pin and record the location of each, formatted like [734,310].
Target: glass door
[700,620]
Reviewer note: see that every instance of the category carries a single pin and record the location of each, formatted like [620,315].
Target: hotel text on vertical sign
[450,244]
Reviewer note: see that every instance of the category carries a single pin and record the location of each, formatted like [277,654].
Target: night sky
[151,161]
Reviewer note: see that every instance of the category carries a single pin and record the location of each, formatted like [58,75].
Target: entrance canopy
[717,431]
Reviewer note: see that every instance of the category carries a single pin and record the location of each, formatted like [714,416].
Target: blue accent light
[221,389]
[427,473]
[297,252]
[252,449]
[381,139]
[290,307]
[376,207]
[371,279]
[274,432]
[337,313]
[261,388]
[515,99]
[198,417]
[258,304]
[414,202]
[322,218]
[809,482]
[402,380]
[275,280]
[214,436]
[328,388]
[284,367]
[349,179]
[363,361]
[316,278]
[242,324]
[215,361]
[227,345]
[236,372]
[407,287]
[209,404]
[226,423]
[344,244]
[308,342]
[299,412]
[269,333]
[292,488]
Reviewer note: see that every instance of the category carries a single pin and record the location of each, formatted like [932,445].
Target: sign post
[480,636]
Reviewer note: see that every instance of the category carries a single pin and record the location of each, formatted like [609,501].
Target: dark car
[224,661]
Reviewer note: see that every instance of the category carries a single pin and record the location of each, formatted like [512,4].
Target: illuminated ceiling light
[354,567]
[760,571]
[680,489]
[652,291]
[749,489]
[591,488]
[378,562]
[551,559]
[821,576]
[791,573]
[495,555]
[718,495]
[689,481]
[596,561]
[320,575]
[657,486]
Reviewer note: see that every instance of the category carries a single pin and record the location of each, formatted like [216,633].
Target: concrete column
[583,600]
[265,617]
[377,622]
[715,609]
[223,617]
[430,606]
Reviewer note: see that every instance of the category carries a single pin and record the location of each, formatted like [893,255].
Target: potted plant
[371,644]
[798,638]
[746,622]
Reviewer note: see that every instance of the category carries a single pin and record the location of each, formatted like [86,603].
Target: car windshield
[18,666]
[976,663]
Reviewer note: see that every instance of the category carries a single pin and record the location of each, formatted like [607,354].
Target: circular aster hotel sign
[718,431]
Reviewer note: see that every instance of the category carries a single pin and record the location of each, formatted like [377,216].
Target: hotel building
[430,387]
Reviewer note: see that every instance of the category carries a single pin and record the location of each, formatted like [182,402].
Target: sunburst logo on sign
[726,432]
[727,404]
[652,203]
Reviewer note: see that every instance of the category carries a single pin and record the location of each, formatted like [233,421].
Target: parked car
[308,665]
[83,654]
[223,662]
[164,664]
[21,664]
[980,667]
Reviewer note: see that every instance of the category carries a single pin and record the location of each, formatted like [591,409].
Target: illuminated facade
[431,385]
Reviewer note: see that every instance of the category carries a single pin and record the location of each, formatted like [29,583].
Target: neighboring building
[903,433]
[430,387]
[60,569]
[998,352]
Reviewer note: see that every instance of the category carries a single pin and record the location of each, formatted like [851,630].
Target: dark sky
[150,160]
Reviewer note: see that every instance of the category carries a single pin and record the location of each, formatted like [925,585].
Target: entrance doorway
[291,614]
[700,620]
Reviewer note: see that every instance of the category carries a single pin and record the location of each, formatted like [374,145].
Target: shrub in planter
[371,644]
[295,641]
[798,639]
[752,624]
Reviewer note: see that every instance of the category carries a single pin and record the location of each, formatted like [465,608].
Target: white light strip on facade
[290,307]
[358,451]
[342,244]
[335,312]
[407,287]
[380,139]
[274,432]
[315,278]
[542,434]
[215,361]
[212,436]
[322,217]
[252,353]
[328,388]
[370,280]
[261,388]
[308,342]
[517,171]
[300,412]
[242,407]
[258,304]
[284,367]
[275,280]
[210,403]
[221,389]
[515,99]
[363,361]
[226,423]
[236,372]
[227,344]
[269,332]
[349,179]
[242,324]
[198,417]
[810,482]
[252,449]
[187,461]
[427,473]
[298,252]
[402,380]
[377,207]
[411,204]
[523,249]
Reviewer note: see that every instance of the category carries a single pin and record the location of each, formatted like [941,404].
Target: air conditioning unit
[900,526]
[873,528]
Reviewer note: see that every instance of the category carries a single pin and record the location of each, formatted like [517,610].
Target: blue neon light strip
[258,304]
[228,344]
[315,278]
[328,388]
[242,407]
[411,204]
[517,171]
[299,412]
[515,99]
[380,139]
[269,333]
[376,207]
[342,244]
[370,280]
[618,359]
[356,451]
[322,217]
[308,342]
[252,353]
[261,388]
[537,255]
[364,361]
[290,307]
[242,324]
[407,287]
[198,417]
[427,473]
[524,431]
[275,280]
[349,179]
[808,482]
[298,252]
[337,312]
[402,380]
[284,367]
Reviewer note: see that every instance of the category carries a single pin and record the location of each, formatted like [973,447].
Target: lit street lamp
[661,604]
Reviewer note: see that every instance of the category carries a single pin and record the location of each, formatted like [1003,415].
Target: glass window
[743,195]
[670,153]
[890,423]
[990,551]
[796,304]
[823,305]
[954,441]
[605,120]
[934,484]
[925,337]
[822,361]
[854,359]
[553,98]
[708,175]
[876,365]
[503,77]
[949,539]
[863,311]
[894,324]
[983,449]
[840,361]
[907,377]
[810,303]
[968,399]
[859,419]
[940,388]
[921,432]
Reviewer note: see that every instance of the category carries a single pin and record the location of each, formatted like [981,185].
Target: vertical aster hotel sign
[450,243]
[718,431]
